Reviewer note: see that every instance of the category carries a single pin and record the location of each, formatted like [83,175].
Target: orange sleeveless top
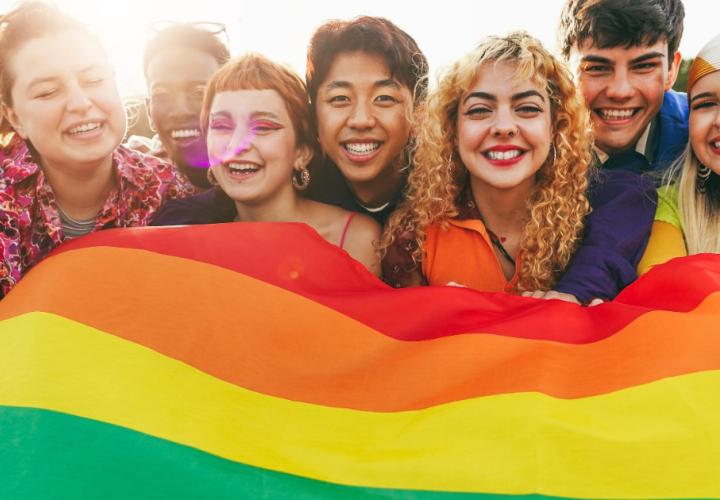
[463,253]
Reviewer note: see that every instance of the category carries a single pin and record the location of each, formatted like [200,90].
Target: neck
[380,190]
[285,206]
[81,192]
[503,211]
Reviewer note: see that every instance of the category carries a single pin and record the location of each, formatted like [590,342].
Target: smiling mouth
[616,115]
[242,170]
[503,155]
[84,128]
[184,133]
[361,148]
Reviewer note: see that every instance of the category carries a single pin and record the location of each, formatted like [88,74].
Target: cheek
[398,128]
[699,126]
[589,88]
[470,135]
[327,122]
[216,144]
[653,89]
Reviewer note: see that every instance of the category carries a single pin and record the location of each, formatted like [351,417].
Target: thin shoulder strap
[347,225]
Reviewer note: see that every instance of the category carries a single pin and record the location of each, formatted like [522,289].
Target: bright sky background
[281,29]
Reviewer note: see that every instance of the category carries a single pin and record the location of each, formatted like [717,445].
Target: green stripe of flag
[46,454]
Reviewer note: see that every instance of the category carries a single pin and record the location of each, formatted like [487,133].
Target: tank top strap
[345,229]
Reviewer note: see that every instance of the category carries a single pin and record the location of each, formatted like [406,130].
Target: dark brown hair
[621,23]
[187,37]
[30,20]
[373,35]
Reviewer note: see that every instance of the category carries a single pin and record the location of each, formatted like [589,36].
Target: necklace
[497,244]
[373,210]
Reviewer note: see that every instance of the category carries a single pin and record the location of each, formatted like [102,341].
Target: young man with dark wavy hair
[625,57]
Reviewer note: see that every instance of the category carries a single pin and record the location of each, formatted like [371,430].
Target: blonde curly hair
[558,206]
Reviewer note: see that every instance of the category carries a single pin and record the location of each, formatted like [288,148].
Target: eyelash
[704,104]
[265,126]
[221,125]
[522,109]
[381,99]
[46,94]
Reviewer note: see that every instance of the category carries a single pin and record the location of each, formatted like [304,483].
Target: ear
[673,70]
[10,115]
[303,155]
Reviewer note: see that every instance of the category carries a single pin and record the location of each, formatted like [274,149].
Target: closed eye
[44,94]
[265,126]
[529,109]
[94,81]
[478,111]
[704,104]
[221,125]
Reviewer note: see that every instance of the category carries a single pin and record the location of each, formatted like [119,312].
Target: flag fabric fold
[256,360]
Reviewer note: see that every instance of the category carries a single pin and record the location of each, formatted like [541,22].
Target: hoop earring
[211,178]
[701,178]
[304,179]
[554,154]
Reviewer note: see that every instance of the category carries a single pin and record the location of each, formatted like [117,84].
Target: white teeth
[361,148]
[715,144]
[86,127]
[617,114]
[242,168]
[503,155]
[185,133]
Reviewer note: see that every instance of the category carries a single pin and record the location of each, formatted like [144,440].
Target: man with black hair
[178,62]
[625,57]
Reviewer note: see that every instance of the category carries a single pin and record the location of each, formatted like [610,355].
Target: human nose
[361,116]
[180,105]
[620,87]
[240,142]
[505,124]
[78,101]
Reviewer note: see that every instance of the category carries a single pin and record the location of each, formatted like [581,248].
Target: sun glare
[280,29]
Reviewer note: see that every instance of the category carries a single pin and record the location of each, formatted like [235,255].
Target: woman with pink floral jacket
[65,175]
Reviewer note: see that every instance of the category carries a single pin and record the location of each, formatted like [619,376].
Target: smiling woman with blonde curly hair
[497,197]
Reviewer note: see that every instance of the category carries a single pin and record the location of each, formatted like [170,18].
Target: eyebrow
[605,60]
[645,57]
[514,97]
[343,84]
[44,79]
[189,83]
[701,95]
[255,114]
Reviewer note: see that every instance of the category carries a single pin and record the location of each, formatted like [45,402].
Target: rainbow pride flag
[257,361]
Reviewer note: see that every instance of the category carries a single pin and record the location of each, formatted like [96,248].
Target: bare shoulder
[361,240]
[363,226]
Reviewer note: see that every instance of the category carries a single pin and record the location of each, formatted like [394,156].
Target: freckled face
[504,129]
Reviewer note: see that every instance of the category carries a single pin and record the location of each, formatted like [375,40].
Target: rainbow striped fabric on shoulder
[255,360]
